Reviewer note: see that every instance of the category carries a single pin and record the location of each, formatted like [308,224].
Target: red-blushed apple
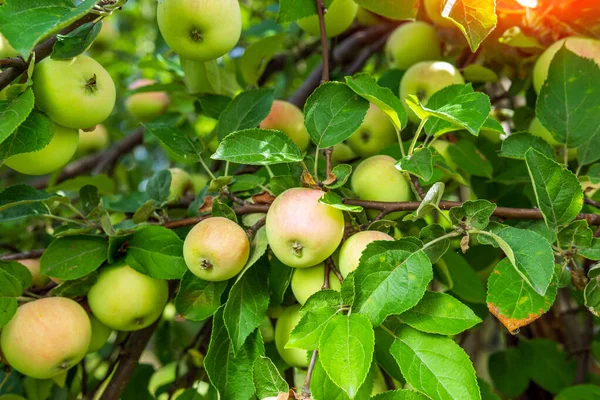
[433,8]
[308,281]
[537,129]
[289,119]
[377,179]
[301,231]
[424,79]
[146,106]
[216,249]
[100,335]
[33,265]
[126,300]
[286,322]
[181,183]
[583,47]
[77,93]
[200,30]
[353,247]
[6,49]
[375,133]
[441,146]
[411,43]
[338,18]
[46,337]
[342,153]
[92,141]
[51,158]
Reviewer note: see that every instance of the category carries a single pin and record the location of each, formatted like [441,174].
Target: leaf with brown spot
[207,205]
[263,198]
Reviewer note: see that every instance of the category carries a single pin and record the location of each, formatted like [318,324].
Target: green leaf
[346,350]
[76,288]
[145,211]
[246,111]
[19,195]
[404,394]
[73,257]
[513,301]
[198,299]
[258,147]
[342,174]
[244,183]
[390,279]
[479,73]
[14,112]
[435,365]
[159,184]
[591,296]
[8,308]
[440,313]
[579,392]
[464,281]
[247,305]
[102,182]
[420,163]
[593,251]
[19,271]
[366,87]
[323,388]
[468,157]
[332,113]
[430,233]
[558,192]
[405,9]
[157,252]
[293,10]
[279,279]
[257,56]
[516,146]
[430,201]
[267,381]
[74,43]
[316,313]
[25,24]
[509,372]
[175,139]
[334,200]
[32,135]
[223,210]
[475,19]
[10,286]
[473,214]
[576,234]
[213,104]
[548,365]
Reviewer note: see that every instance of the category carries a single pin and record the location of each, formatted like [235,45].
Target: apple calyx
[196,36]
[92,84]
[365,136]
[297,249]
[205,264]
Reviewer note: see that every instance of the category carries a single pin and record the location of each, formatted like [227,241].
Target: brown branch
[365,54]
[306,387]
[241,210]
[415,181]
[251,231]
[23,256]
[328,153]
[592,203]
[324,49]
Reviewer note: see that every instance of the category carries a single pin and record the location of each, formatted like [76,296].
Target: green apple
[411,43]
[342,153]
[433,8]
[77,93]
[200,30]
[33,265]
[379,385]
[365,17]
[181,183]
[199,181]
[375,133]
[352,249]
[338,18]
[266,330]
[54,156]
[377,179]
[216,249]
[126,300]
[146,106]
[100,335]
[46,337]
[424,79]
[286,322]
[92,141]
[301,231]
[537,129]
[289,119]
[308,281]
[108,34]
[583,47]
[6,49]
[441,146]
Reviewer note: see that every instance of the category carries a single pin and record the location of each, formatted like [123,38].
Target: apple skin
[301,231]
[266,330]
[308,281]
[46,337]
[441,146]
[412,43]
[77,93]
[583,47]
[338,18]
[352,249]
[126,300]
[100,335]
[200,30]
[199,181]
[537,129]
[342,153]
[216,249]
[377,179]
[365,17]
[424,79]
[286,322]
[146,106]
[375,133]
[33,265]
[181,183]
[93,141]
[54,156]
[433,8]
[6,49]
[289,119]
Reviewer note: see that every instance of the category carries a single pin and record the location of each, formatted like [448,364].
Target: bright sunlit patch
[448,7]
[528,3]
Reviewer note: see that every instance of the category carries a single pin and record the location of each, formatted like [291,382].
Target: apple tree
[299,199]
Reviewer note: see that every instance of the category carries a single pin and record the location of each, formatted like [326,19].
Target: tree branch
[23,256]
[324,49]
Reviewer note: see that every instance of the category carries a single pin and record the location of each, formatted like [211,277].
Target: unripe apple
[46,337]
[365,17]
[100,335]
[266,330]
[424,79]
[286,322]
[77,93]
[379,385]
[199,181]
[342,153]
[338,18]
[375,133]
[289,119]
[216,249]
[583,47]
[200,30]
[301,231]
[377,179]
[537,129]
[181,183]
[6,49]
[146,106]
[441,146]
[93,141]
[54,156]
[126,300]
[433,8]
[411,43]
[308,281]
[33,265]
[352,249]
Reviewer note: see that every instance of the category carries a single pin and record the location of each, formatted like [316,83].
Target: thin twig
[251,231]
[324,49]
[592,203]
[23,256]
